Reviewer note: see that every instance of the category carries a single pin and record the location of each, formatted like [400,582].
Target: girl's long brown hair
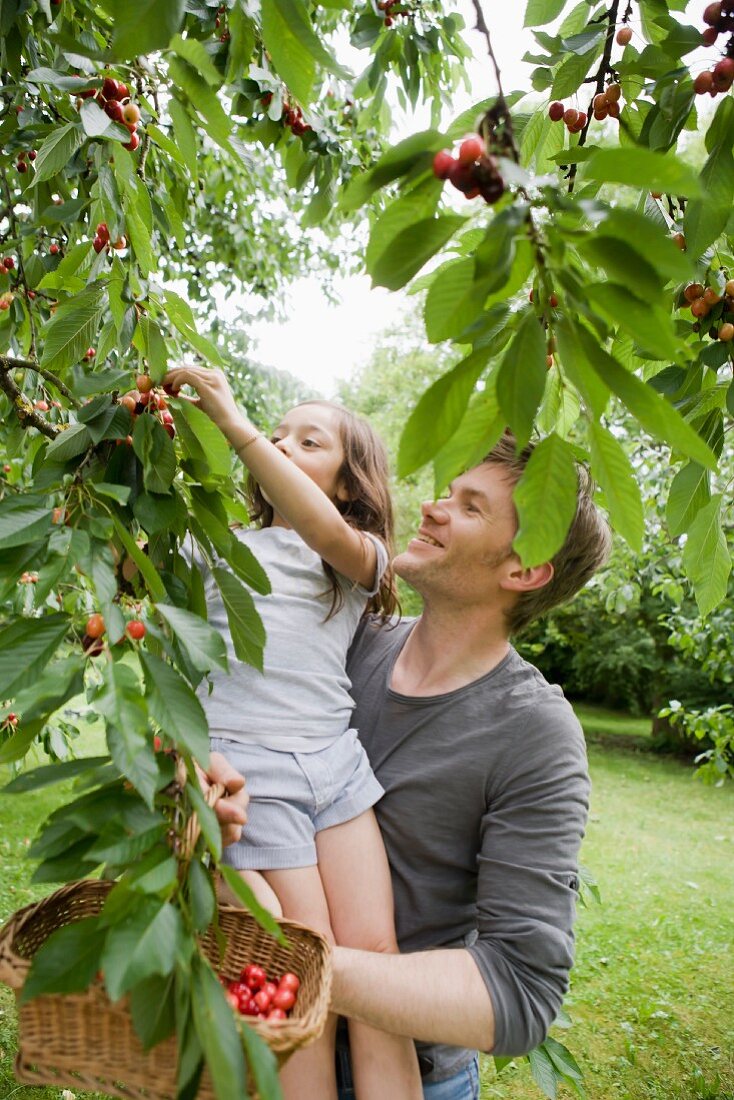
[369,507]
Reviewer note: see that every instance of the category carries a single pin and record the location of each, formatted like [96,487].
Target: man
[486,787]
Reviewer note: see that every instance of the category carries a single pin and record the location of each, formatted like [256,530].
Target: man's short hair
[586,547]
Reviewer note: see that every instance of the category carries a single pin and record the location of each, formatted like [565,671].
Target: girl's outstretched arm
[294,496]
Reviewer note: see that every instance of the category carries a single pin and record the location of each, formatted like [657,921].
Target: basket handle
[193,827]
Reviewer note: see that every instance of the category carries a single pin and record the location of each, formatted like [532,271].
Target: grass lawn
[652,997]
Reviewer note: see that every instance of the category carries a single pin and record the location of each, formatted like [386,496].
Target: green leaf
[619,259]
[143,943]
[540,12]
[67,961]
[203,645]
[641,167]
[295,48]
[650,239]
[57,150]
[706,218]
[26,646]
[522,377]
[613,470]
[202,899]
[204,99]
[205,436]
[545,498]
[145,565]
[654,413]
[706,557]
[69,443]
[411,249]
[128,736]
[95,121]
[262,1063]
[409,155]
[649,324]
[154,448]
[215,1025]
[544,1072]
[175,707]
[419,202]
[480,428]
[145,26]
[577,368]
[49,774]
[152,1008]
[193,51]
[185,135]
[55,685]
[248,633]
[452,302]
[73,327]
[248,898]
[689,492]
[180,315]
[438,413]
[24,519]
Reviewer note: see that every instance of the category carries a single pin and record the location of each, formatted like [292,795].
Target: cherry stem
[501,107]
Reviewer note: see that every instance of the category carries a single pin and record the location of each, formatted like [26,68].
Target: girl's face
[309,436]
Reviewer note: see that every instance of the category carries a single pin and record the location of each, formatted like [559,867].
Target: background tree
[156,157]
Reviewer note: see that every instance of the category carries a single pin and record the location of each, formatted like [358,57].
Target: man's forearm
[437,996]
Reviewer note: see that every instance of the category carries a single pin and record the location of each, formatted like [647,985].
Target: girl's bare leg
[356,878]
[310,1073]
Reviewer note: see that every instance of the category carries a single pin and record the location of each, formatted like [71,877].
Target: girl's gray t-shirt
[485,804]
[301,701]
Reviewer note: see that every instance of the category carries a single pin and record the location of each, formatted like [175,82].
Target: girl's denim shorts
[293,796]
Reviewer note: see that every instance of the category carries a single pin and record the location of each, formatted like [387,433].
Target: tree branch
[27,415]
[601,72]
[7,362]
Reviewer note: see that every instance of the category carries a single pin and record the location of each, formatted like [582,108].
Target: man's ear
[518,579]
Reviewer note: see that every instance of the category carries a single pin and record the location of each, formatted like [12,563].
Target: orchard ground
[652,998]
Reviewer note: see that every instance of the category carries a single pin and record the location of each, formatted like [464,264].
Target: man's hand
[231,807]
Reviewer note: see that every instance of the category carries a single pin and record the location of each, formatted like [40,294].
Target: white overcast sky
[322,342]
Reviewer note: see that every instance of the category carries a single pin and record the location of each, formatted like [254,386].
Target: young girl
[320,495]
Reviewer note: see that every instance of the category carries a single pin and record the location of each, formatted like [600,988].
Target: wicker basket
[86,1041]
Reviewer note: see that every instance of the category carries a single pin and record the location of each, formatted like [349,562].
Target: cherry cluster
[9,722]
[102,239]
[6,300]
[718,79]
[574,120]
[218,22]
[114,99]
[28,578]
[146,399]
[474,172]
[21,164]
[96,628]
[253,994]
[293,117]
[387,6]
[606,103]
[706,300]
[719,18]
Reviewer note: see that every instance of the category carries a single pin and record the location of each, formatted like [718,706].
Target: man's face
[463,547]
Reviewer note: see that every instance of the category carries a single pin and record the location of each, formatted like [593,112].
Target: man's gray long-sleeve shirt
[485,805]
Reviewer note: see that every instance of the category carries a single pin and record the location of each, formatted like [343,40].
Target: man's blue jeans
[464,1085]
